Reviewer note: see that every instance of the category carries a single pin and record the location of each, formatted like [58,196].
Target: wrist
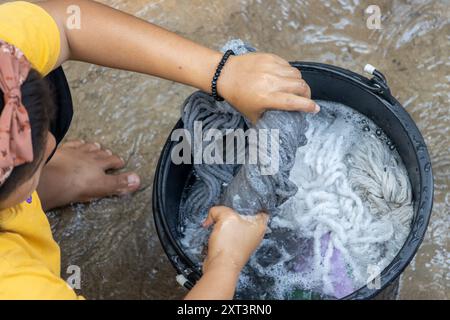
[223,83]
[223,264]
[212,63]
[214,92]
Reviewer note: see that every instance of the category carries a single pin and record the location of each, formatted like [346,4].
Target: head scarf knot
[16,146]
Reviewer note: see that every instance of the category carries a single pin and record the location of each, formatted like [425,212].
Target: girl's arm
[232,242]
[217,283]
[108,37]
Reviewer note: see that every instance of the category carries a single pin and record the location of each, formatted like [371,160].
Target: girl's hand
[231,244]
[255,82]
[234,238]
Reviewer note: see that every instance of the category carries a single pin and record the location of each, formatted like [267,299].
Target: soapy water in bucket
[349,218]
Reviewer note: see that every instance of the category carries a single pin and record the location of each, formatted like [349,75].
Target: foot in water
[78,173]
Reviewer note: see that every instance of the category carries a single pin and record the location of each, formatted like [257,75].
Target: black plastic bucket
[370,97]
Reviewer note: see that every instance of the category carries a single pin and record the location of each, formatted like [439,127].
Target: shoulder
[30,28]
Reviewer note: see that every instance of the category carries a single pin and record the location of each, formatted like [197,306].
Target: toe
[73,143]
[121,184]
[90,147]
[108,162]
[102,153]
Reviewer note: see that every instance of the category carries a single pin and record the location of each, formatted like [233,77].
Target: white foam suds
[348,220]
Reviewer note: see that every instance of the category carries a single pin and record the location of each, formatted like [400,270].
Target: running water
[346,223]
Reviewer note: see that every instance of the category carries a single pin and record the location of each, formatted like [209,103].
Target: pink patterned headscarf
[16,146]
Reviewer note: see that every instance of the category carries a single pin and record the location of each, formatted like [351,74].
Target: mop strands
[340,205]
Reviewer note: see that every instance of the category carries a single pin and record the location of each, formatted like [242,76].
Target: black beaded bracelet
[222,62]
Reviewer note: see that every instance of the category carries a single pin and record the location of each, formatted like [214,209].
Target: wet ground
[114,240]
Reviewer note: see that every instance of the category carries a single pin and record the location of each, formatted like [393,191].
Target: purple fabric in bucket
[342,284]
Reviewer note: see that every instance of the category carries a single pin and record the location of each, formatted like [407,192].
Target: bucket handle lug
[187,278]
[379,82]
[184,281]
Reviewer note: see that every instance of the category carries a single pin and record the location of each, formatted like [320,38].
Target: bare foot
[77,173]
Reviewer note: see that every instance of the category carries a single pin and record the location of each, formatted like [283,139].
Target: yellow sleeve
[31,29]
[25,278]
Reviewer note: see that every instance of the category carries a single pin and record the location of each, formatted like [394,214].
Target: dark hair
[37,99]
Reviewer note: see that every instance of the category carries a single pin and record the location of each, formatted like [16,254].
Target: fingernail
[97,145]
[133,180]
[317,108]
[109,152]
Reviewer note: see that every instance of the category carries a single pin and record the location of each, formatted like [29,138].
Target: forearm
[111,38]
[218,283]
[252,83]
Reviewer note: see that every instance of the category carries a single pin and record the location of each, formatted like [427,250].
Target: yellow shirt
[29,257]
[31,29]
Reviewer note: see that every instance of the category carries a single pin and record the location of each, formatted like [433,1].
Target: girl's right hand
[234,238]
[256,82]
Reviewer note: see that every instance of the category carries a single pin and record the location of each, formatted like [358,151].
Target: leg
[77,173]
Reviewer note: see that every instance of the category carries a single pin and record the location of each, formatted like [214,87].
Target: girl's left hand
[233,239]
[256,82]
